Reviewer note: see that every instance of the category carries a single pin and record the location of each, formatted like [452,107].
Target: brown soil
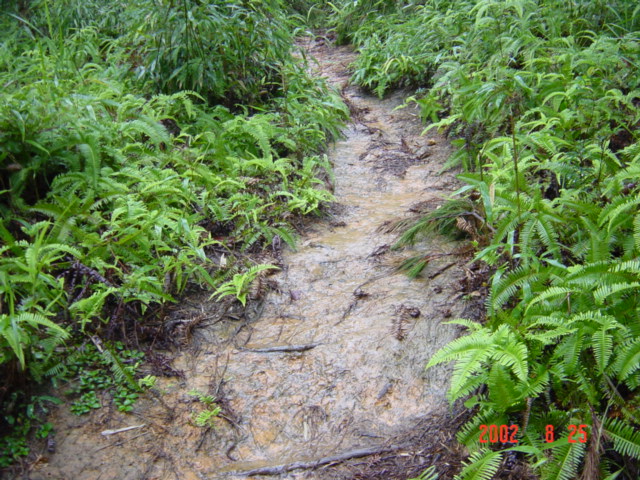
[361,332]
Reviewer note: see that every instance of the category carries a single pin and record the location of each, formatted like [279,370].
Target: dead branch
[90,273]
[442,270]
[120,442]
[120,430]
[342,457]
[282,348]
[347,312]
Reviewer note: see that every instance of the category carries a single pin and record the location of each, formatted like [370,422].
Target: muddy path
[362,333]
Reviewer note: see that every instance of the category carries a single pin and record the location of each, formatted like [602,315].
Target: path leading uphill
[328,370]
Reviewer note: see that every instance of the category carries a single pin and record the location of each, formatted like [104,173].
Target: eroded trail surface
[363,330]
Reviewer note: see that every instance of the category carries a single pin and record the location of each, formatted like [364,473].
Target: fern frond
[507,286]
[548,293]
[565,461]
[514,356]
[628,359]
[287,235]
[502,389]
[569,351]
[154,131]
[602,344]
[468,433]
[468,373]
[481,465]
[462,385]
[625,438]
[119,370]
[605,291]
[477,341]
[470,324]
[630,266]
[429,474]
[547,232]
[615,209]
[414,266]
[550,337]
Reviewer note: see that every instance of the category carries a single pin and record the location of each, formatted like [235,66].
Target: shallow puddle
[365,332]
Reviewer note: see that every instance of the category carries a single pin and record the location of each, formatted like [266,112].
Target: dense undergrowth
[143,147]
[542,100]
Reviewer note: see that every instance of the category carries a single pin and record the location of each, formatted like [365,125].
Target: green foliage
[149,381]
[350,17]
[19,331]
[23,423]
[231,52]
[428,474]
[239,285]
[205,418]
[541,99]
[481,466]
[91,371]
[125,176]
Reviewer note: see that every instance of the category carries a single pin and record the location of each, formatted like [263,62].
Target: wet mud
[331,360]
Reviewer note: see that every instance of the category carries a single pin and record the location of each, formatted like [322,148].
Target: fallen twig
[120,430]
[347,311]
[442,270]
[121,442]
[342,457]
[282,348]
[203,435]
[373,279]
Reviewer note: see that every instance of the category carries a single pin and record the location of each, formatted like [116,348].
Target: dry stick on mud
[120,442]
[282,348]
[442,270]
[342,457]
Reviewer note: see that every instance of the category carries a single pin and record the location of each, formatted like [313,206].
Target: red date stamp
[507,434]
[577,434]
[498,433]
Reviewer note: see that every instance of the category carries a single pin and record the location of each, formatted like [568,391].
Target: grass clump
[140,145]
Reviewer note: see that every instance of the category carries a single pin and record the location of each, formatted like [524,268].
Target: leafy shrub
[114,198]
[541,98]
[229,52]
[350,17]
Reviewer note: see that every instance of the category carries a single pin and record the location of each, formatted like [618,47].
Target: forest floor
[345,393]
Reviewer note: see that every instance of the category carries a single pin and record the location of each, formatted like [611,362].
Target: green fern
[505,287]
[18,332]
[429,474]
[239,285]
[481,465]
[565,460]
[625,438]
[627,359]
